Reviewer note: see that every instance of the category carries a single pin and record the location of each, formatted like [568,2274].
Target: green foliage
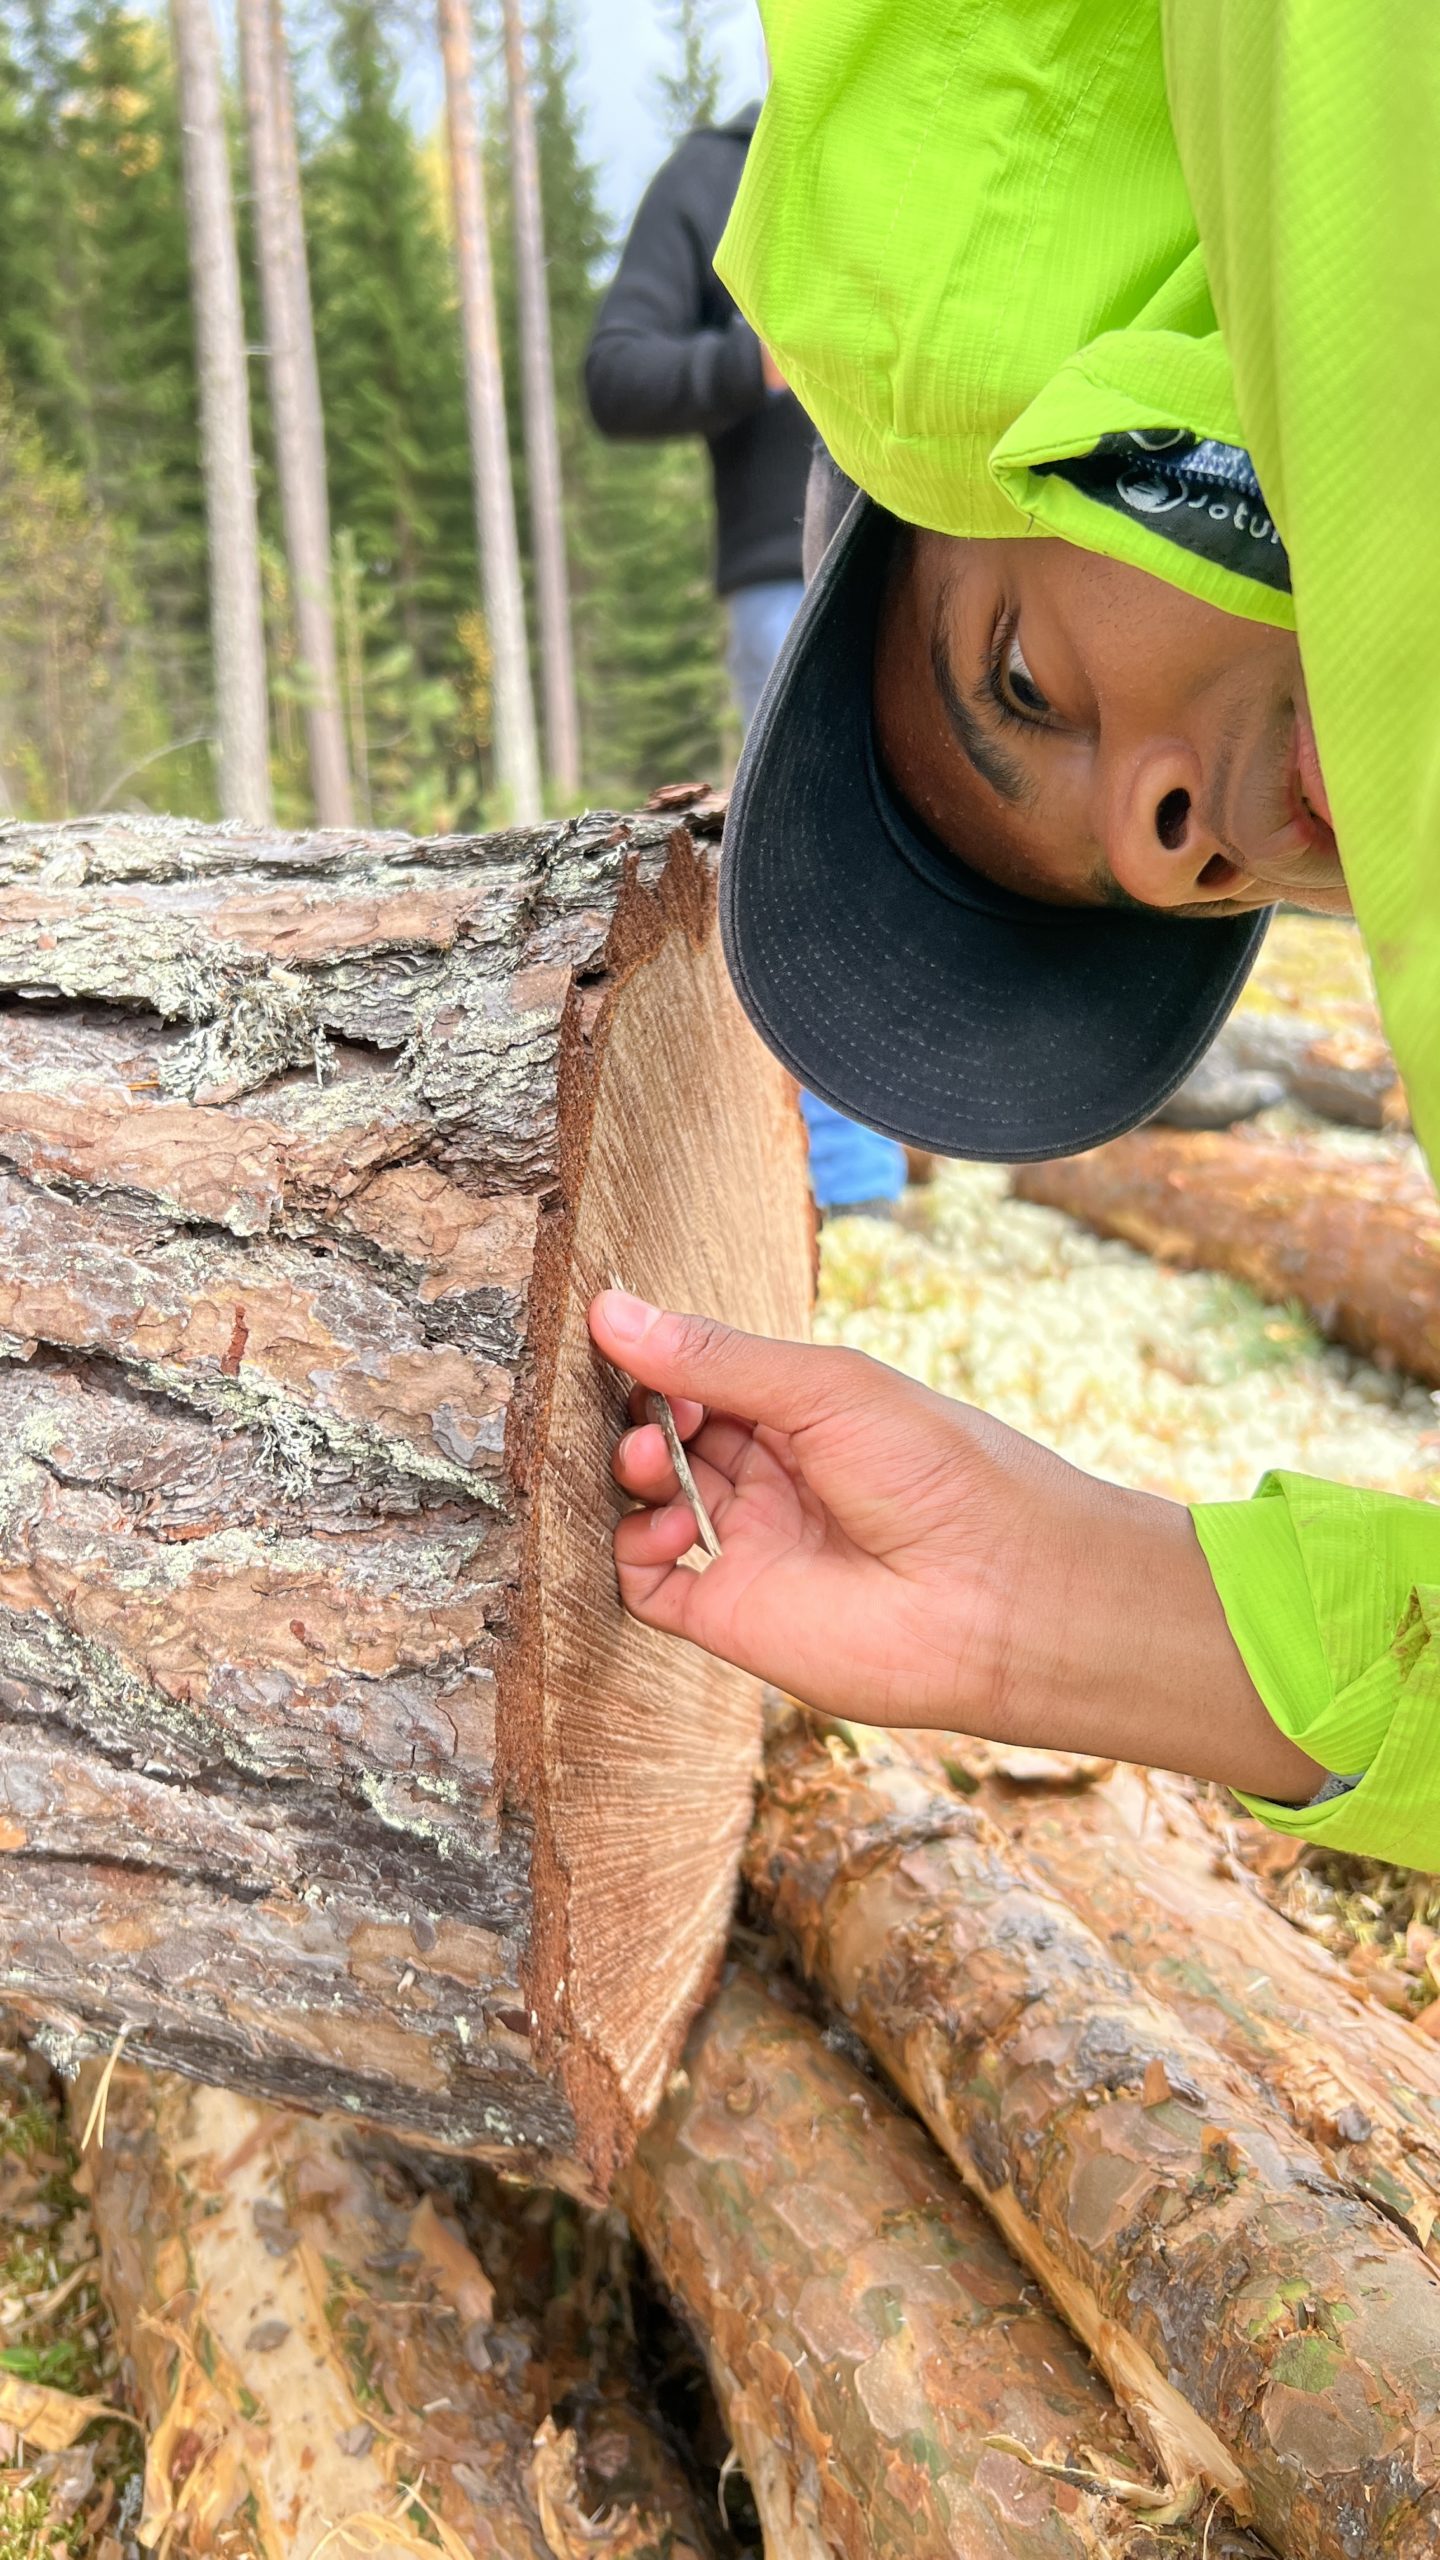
[77,702]
[690,88]
[96,341]
[393,390]
[105,688]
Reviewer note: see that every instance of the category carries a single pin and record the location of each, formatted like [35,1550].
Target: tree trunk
[1356,1241]
[517,763]
[294,395]
[1263,2329]
[542,435]
[331,1765]
[237,625]
[1134,1860]
[317,2351]
[867,2332]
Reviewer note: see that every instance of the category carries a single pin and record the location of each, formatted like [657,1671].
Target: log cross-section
[329,1765]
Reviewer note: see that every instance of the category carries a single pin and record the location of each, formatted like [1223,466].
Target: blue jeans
[847,1163]
[759,619]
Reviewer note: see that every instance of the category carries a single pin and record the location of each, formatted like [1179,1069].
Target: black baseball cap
[900,985]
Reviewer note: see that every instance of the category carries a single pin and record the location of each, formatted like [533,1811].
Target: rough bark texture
[1133,1858]
[865,2329]
[294,395]
[329,1763]
[542,433]
[318,2352]
[1356,1243]
[517,761]
[237,626]
[1260,2326]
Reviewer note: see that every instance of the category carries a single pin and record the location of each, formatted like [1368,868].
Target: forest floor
[1177,1383]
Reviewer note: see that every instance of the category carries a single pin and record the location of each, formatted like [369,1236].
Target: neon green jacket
[978,234]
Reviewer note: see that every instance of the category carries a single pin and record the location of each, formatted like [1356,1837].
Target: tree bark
[1356,1242]
[237,625]
[867,2332]
[1134,1860]
[1262,2328]
[542,435]
[294,395]
[318,2352]
[329,1763]
[517,762]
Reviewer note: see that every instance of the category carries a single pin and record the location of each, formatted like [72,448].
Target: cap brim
[905,988]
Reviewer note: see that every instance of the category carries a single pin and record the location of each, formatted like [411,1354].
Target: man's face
[1089,735]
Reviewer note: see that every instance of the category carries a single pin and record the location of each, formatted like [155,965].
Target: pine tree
[517,762]
[227,454]
[538,407]
[654,706]
[296,417]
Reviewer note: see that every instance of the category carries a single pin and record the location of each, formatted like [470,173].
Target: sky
[621,44]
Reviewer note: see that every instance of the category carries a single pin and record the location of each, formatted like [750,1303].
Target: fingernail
[629,1319]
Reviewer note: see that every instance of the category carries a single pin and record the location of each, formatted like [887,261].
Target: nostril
[1171,819]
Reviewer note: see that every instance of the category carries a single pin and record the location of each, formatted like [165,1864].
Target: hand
[773,377]
[897,1558]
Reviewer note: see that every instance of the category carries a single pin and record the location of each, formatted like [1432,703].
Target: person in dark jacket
[672,356]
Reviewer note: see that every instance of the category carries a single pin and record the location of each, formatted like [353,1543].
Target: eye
[1019,685]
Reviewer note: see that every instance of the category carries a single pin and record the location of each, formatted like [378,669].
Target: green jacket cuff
[1333,1598]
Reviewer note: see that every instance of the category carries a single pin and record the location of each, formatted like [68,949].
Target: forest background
[106,697]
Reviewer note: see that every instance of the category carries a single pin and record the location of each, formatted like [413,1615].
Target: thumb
[785,1384]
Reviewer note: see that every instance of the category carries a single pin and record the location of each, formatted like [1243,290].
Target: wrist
[1120,1649]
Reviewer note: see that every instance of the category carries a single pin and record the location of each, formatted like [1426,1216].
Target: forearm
[1130,1656]
[642,380]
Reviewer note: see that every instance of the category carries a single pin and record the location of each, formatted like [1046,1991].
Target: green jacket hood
[980,237]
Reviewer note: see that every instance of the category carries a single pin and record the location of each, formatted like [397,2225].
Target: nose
[1161,847]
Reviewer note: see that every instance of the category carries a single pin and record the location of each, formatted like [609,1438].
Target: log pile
[1266,2327]
[1357,1242]
[366,1871]
[329,1765]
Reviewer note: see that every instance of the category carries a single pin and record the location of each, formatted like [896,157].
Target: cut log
[317,2351]
[1357,1242]
[1262,2328]
[1132,1857]
[329,1764]
[1347,1074]
[867,2333]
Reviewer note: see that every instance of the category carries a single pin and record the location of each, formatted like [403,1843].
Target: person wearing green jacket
[1120,316]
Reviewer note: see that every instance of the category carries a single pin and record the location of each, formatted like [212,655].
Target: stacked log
[1132,1857]
[1354,1240]
[330,1767]
[882,2366]
[1263,2328]
[317,2351]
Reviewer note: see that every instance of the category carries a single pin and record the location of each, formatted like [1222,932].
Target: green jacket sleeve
[1333,1597]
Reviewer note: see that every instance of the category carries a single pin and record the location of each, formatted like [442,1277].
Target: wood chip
[658,1408]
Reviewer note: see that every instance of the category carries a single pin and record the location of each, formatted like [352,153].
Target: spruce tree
[391,383]
[128,297]
[35,221]
[690,84]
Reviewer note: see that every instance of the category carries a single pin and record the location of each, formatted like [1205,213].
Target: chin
[1330,901]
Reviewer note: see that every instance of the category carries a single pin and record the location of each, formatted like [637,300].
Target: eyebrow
[980,750]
